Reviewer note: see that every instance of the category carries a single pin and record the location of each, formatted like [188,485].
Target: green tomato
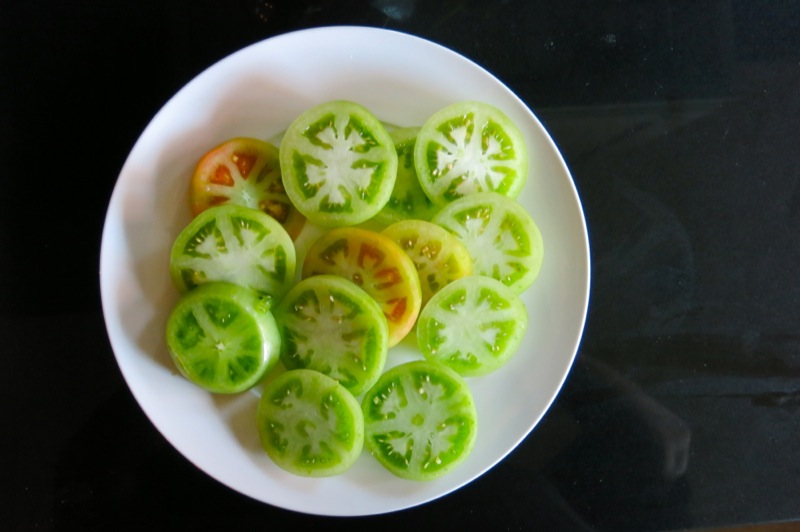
[309,424]
[420,420]
[438,255]
[234,244]
[223,337]
[339,164]
[408,200]
[474,325]
[470,147]
[330,325]
[500,235]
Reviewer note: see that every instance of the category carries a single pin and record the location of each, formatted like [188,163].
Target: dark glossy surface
[679,121]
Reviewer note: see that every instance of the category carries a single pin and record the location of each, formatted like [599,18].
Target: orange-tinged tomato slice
[375,263]
[244,171]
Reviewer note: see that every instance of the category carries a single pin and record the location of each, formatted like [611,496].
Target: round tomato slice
[420,420]
[244,171]
[330,325]
[500,235]
[408,200]
[376,264]
[474,325]
[470,147]
[309,424]
[438,255]
[223,337]
[339,164]
[234,244]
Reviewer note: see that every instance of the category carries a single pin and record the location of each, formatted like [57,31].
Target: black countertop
[679,121]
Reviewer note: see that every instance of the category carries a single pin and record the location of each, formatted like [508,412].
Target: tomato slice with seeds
[470,147]
[309,424]
[474,325]
[330,325]
[408,200]
[223,337]
[500,235]
[235,244]
[438,255]
[244,171]
[420,420]
[339,164]
[375,263]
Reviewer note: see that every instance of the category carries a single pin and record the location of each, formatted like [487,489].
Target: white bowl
[257,92]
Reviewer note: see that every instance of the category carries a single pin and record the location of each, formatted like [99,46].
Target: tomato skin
[244,171]
[420,420]
[376,264]
[469,147]
[339,164]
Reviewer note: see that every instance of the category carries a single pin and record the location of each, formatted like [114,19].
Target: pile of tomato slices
[417,238]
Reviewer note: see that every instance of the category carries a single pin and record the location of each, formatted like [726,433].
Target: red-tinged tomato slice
[247,172]
[439,256]
[375,263]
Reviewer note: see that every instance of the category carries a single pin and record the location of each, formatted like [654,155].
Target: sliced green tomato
[439,256]
[470,147]
[244,171]
[339,164]
[420,420]
[473,325]
[376,264]
[408,200]
[234,244]
[309,424]
[223,337]
[500,235]
[330,325]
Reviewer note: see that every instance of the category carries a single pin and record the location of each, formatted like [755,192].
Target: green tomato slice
[244,171]
[223,337]
[235,244]
[330,325]
[473,325]
[339,164]
[500,235]
[420,420]
[376,264]
[438,255]
[309,424]
[470,147]
[408,200]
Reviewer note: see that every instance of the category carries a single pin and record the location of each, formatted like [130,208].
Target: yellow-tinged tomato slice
[376,264]
[244,171]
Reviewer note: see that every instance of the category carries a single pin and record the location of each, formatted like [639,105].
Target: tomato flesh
[339,164]
[420,420]
[223,337]
[438,255]
[237,245]
[309,424]
[474,326]
[500,235]
[330,325]
[470,147]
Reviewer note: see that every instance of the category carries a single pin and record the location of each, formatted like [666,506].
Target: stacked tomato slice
[310,261]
